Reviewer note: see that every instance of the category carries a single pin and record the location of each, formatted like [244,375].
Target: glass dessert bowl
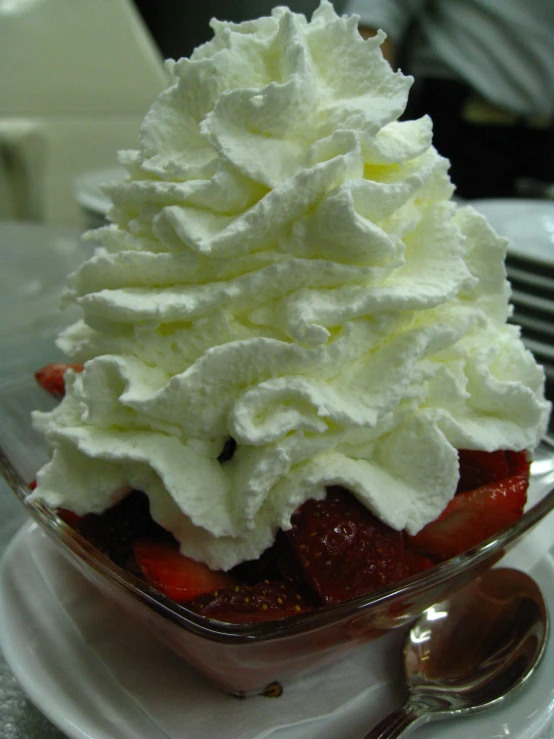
[252,658]
[287,274]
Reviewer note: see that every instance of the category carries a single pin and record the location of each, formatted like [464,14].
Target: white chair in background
[76,78]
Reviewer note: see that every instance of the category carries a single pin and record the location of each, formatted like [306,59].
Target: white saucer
[59,667]
[528,224]
[89,191]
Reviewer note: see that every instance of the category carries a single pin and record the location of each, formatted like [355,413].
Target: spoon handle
[401,722]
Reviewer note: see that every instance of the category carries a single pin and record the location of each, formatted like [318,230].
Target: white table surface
[34,261]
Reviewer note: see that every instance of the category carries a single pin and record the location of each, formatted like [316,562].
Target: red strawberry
[518,463]
[115,530]
[471,517]
[51,377]
[342,550]
[180,578]
[415,562]
[70,518]
[480,468]
[265,601]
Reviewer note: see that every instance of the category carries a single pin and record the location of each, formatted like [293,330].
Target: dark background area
[178,26]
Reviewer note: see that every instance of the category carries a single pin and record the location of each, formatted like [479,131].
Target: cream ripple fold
[284,266]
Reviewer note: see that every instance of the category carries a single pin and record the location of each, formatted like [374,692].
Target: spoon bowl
[469,652]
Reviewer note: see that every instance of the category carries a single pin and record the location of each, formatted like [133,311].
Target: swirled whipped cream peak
[285,277]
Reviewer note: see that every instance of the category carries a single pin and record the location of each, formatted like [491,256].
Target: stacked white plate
[89,193]
[529,226]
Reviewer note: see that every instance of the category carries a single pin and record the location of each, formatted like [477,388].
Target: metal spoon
[471,651]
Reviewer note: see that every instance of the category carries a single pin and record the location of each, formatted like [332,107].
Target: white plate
[528,224]
[58,665]
[89,191]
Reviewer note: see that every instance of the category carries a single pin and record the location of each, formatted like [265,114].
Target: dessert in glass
[297,414]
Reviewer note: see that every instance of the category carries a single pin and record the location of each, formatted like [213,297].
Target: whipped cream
[285,267]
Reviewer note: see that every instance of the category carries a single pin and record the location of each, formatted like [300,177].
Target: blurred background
[79,75]
[179,26]
[77,79]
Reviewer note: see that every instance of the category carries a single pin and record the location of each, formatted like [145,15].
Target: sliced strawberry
[416,562]
[70,518]
[342,550]
[479,468]
[114,531]
[518,463]
[471,517]
[180,578]
[265,567]
[265,601]
[51,377]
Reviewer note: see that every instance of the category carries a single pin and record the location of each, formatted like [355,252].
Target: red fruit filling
[264,601]
[339,550]
[335,550]
[51,377]
[180,578]
[471,517]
